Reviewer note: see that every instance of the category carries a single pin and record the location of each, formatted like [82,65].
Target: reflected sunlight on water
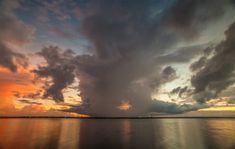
[117,133]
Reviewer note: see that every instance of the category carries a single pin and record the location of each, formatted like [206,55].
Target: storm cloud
[129,38]
[218,72]
[173,108]
[59,68]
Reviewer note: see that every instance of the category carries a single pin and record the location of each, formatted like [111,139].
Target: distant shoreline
[157,117]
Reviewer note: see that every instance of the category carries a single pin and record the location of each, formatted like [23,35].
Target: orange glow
[219,108]
[14,82]
[125,105]
[21,82]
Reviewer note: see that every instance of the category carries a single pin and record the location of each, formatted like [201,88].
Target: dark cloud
[231,101]
[30,95]
[181,55]
[12,32]
[61,32]
[29,102]
[81,109]
[59,68]
[180,91]
[10,59]
[168,74]
[129,37]
[173,108]
[218,72]
[190,16]
[175,90]
[199,64]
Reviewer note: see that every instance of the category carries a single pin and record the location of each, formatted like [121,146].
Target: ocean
[164,133]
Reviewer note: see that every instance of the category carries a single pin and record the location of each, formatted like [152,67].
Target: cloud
[173,108]
[61,32]
[189,17]
[29,102]
[10,59]
[217,73]
[13,32]
[59,68]
[181,55]
[198,64]
[127,37]
[180,91]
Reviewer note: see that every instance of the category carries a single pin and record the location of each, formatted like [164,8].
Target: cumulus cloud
[198,64]
[180,91]
[188,17]
[217,73]
[10,59]
[173,108]
[59,69]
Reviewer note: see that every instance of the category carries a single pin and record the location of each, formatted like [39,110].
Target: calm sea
[117,133]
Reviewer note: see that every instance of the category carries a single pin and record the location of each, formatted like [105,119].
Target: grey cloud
[181,55]
[59,69]
[175,90]
[12,31]
[231,101]
[198,64]
[29,95]
[168,74]
[173,108]
[10,58]
[218,72]
[129,40]
[180,91]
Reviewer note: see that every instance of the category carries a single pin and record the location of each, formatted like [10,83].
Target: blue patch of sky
[29,13]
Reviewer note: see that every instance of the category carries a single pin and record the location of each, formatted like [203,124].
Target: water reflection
[117,134]
[38,133]
[180,134]
[220,133]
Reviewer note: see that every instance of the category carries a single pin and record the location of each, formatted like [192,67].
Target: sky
[116,57]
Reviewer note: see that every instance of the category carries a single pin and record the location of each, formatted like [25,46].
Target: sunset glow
[125,105]
[85,57]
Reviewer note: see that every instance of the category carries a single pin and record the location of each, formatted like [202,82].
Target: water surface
[117,133]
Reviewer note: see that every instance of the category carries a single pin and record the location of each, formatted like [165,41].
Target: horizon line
[120,117]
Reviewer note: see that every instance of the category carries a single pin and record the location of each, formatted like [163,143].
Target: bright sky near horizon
[114,58]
